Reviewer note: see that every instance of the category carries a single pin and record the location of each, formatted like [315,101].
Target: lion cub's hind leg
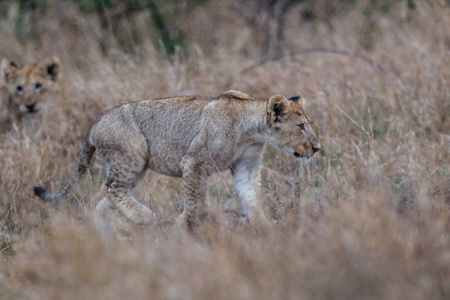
[105,214]
[125,170]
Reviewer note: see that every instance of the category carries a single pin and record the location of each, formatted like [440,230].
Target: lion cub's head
[28,87]
[291,127]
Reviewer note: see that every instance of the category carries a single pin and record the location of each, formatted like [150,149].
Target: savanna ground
[367,219]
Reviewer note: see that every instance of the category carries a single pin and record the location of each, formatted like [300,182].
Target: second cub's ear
[51,67]
[298,98]
[277,108]
[8,70]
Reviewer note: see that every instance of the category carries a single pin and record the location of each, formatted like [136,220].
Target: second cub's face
[292,127]
[28,87]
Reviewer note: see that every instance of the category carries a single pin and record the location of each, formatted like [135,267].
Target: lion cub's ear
[51,67]
[8,70]
[277,109]
[298,98]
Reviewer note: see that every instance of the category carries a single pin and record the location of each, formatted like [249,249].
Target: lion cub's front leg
[195,186]
[247,182]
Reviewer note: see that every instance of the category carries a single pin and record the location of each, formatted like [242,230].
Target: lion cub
[191,138]
[24,90]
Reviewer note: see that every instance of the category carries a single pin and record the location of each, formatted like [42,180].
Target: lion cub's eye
[20,88]
[301,126]
[38,86]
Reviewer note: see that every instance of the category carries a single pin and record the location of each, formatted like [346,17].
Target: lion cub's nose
[30,107]
[315,149]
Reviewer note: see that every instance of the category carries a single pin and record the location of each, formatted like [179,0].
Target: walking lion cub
[192,138]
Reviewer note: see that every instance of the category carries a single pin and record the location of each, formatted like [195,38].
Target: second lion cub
[25,90]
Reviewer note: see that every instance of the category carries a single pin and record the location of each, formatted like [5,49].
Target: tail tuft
[86,153]
[40,192]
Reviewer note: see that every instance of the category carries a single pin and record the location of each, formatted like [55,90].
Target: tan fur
[25,90]
[191,138]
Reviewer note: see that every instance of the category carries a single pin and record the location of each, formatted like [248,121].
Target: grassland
[368,219]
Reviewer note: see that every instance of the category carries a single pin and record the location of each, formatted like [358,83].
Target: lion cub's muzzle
[308,152]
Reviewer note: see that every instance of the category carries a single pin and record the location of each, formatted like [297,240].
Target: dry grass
[368,219]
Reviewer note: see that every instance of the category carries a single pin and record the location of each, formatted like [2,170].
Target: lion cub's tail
[84,159]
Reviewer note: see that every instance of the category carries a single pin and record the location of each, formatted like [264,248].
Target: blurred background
[369,218]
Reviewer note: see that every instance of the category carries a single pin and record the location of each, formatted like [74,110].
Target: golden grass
[368,219]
